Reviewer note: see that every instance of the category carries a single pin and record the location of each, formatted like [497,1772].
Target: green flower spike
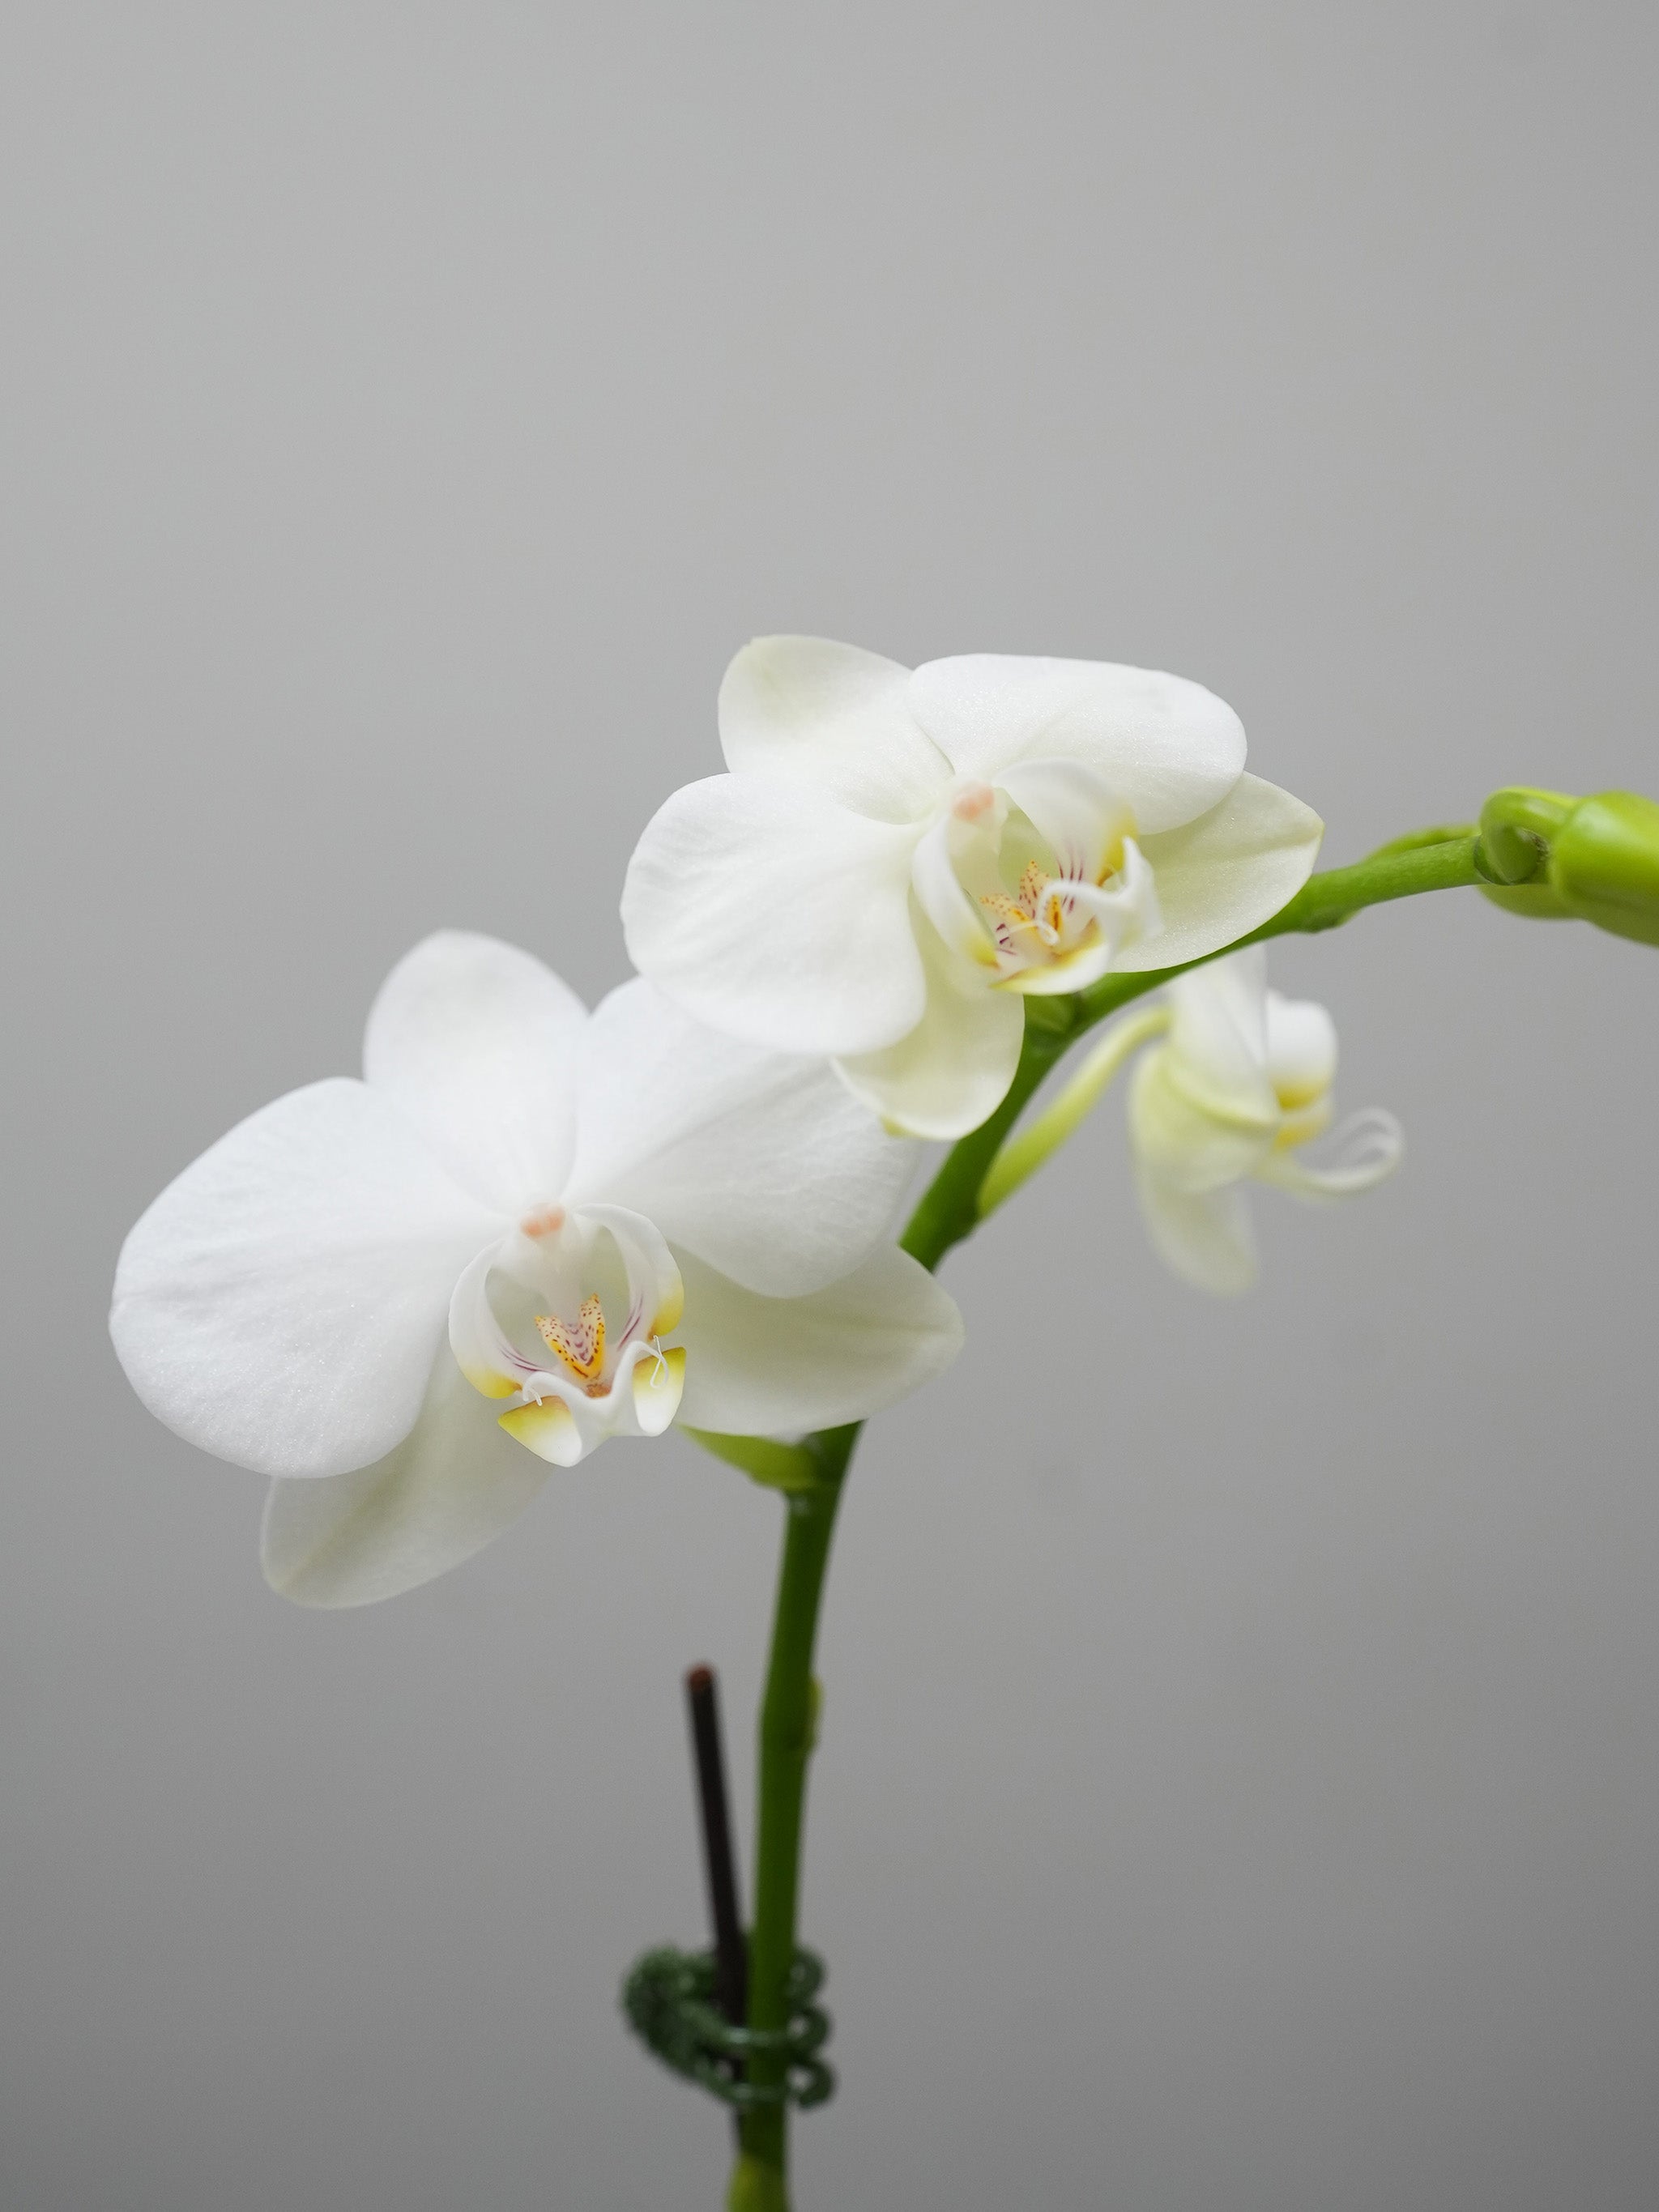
[1556,859]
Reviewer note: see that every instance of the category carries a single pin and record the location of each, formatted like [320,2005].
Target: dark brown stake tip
[702,1697]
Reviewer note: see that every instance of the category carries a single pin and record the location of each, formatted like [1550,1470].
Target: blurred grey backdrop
[1237,1783]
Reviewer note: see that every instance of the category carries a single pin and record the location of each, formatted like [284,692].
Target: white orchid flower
[895,859]
[1242,1082]
[526,1229]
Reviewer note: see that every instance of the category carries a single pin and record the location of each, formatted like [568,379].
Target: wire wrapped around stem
[669,1999]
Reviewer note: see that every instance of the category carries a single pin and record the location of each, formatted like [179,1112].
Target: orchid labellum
[527,1229]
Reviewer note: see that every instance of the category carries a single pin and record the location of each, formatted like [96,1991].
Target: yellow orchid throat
[1041,905]
[580,1344]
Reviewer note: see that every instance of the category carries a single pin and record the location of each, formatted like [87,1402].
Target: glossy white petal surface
[947,850]
[449,1488]
[281,1303]
[1301,1040]
[477,1042]
[1226,873]
[1082,819]
[1204,1237]
[772,912]
[772,1366]
[955,1067]
[832,715]
[760,1162]
[1167,747]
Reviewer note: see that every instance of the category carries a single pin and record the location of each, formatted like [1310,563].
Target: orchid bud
[1556,859]
[1516,827]
[1604,863]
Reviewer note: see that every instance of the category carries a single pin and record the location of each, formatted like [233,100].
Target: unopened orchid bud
[1556,859]
[1604,863]
[1517,827]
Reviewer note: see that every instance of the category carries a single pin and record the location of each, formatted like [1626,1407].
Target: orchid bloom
[1240,1084]
[896,858]
[527,1229]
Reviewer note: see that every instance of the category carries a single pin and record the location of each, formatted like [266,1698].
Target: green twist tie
[669,1999]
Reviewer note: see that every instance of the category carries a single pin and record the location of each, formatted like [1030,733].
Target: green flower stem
[1023,1155]
[950,1205]
[787,1726]
[1400,870]
[949,1211]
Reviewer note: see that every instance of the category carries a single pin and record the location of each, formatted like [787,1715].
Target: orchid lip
[1036,881]
[600,1288]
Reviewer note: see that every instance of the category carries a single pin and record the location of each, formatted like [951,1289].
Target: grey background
[1237,1783]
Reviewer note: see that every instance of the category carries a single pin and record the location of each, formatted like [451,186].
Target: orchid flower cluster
[527,1229]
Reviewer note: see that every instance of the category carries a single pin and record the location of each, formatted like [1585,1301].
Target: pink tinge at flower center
[973,802]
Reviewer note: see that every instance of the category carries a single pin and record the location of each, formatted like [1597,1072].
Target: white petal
[832,715]
[1226,873]
[477,1042]
[771,912]
[452,1485]
[1219,1034]
[1204,1237]
[760,1162]
[955,1067]
[280,1303]
[1082,819]
[1181,1139]
[653,1273]
[1301,1050]
[482,1350]
[1368,1147]
[945,848]
[766,1366]
[1167,747]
